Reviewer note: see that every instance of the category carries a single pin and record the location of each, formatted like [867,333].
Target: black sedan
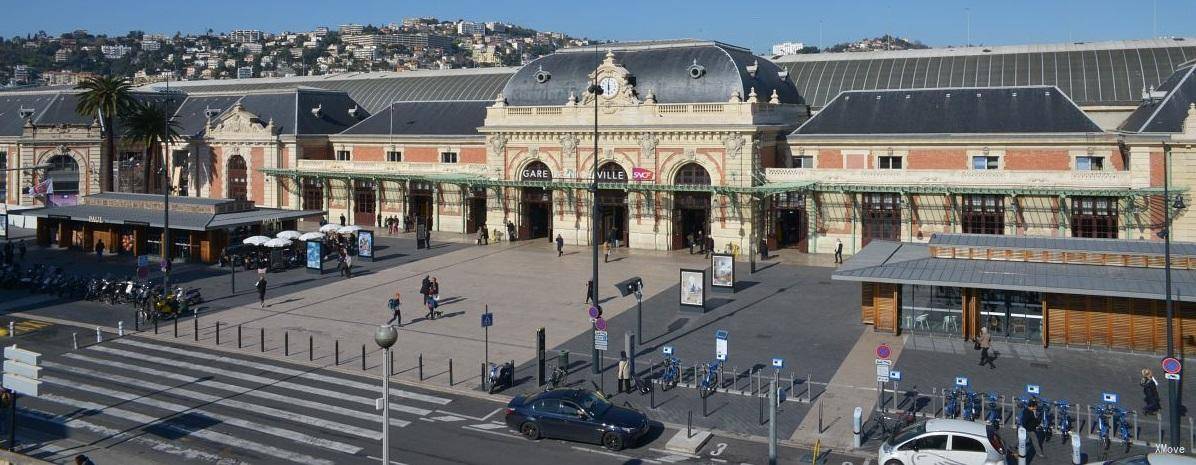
[576,415]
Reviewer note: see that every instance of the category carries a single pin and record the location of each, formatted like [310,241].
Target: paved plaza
[789,309]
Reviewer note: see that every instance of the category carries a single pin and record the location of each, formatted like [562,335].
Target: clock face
[610,86]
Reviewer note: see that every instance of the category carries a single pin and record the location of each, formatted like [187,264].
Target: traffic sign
[894,375]
[721,334]
[778,363]
[883,351]
[720,345]
[1172,376]
[881,361]
[667,350]
[1171,365]
[601,340]
[21,370]
[882,372]
[487,319]
[1109,397]
[961,381]
[1032,389]
[600,324]
[594,313]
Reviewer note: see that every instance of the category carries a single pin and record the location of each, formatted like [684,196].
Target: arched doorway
[691,210]
[238,178]
[63,174]
[536,205]
[612,204]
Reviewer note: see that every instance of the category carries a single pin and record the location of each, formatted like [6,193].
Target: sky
[755,24]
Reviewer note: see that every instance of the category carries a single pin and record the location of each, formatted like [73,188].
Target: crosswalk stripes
[298,373]
[223,403]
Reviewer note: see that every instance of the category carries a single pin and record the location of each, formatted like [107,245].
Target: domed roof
[681,71]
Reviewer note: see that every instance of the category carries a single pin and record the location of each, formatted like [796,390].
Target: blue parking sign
[487,319]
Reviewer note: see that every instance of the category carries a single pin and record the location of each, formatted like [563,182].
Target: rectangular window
[803,162]
[985,162]
[3,175]
[1094,217]
[394,156]
[1090,163]
[888,163]
[342,155]
[983,214]
[880,217]
[448,157]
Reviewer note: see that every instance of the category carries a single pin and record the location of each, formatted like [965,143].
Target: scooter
[190,296]
[500,375]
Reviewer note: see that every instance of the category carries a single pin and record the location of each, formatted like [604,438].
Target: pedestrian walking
[689,238]
[348,266]
[590,291]
[396,316]
[261,290]
[709,247]
[1033,427]
[1150,392]
[432,299]
[624,373]
[606,252]
[510,231]
[763,249]
[984,343]
[485,235]
[560,245]
[323,220]
[342,219]
[21,247]
[100,250]
[838,250]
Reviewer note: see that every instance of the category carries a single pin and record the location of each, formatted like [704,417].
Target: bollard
[1191,434]
[809,388]
[1075,448]
[136,321]
[704,414]
[176,325]
[155,326]
[195,328]
[120,328]
[262,338]
[392,363]
[336,347]
[652,394]
[99,335]
[363,357]
[689,424]
[238,336]
[820,418]
[286,343]
[217,333]
[12,329]
[772,428]
[1136,433]
[75,340]
[311,354]
[1021,446]
[857,427]
[421,367]
[484,378]
[761,410]
[450,371]
[1160,428]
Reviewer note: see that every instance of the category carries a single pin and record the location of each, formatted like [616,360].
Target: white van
[944,441]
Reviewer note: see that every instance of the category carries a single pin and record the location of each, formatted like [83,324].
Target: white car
[1152,459]
[937,442]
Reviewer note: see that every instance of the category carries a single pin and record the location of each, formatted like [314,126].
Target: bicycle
[891,424]
[993,415]
[950,404]
[971,406]
[1122,426]
[709,382]
[1064,417]
[556,379]
[671,374]
[1102,420]
[1046,418]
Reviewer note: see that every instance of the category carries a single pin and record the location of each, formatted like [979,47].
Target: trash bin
[562,360]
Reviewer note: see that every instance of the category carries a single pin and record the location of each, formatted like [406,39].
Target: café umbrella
[277,242]
[329,228]
[255,240]
[311,236]
[289,235]
[348,229]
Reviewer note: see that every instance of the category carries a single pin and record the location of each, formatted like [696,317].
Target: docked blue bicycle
[708,383]
[671,374]
[951,403]
[971,405]
[992,414]
[1063,414]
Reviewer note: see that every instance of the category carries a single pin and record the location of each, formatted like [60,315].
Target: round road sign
[883,351]
[600,324]
[594,312]
[1171,365]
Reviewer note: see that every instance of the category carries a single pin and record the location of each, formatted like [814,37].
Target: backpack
[393,303]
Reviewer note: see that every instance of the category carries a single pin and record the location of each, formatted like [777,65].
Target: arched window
[692,174]
[238,178]
[64,174]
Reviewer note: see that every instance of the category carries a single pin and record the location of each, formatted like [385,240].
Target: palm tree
[150,125]
[107,98]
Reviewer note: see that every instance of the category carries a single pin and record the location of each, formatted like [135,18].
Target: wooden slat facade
[881,305]
[1118,323]
[1178,262]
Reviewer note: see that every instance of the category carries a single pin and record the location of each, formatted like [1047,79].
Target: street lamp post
[166,162]
[595,90]
[1172,391]
[385,337]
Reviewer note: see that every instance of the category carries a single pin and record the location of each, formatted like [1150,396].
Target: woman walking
[261,290]
[624,371]
[985,343]
[1150,392]
[396,316]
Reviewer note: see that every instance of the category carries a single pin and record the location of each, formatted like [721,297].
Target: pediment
[240,122]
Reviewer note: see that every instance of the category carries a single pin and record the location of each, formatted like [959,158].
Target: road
[135,400]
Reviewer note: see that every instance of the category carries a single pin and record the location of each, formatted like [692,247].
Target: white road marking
[240,390]
[429,420]
[496,433]
[718,460]
[488,426]
[178,408]
[612,454]
[492,413]
[394,462]
[448,418]
[257,379]
[671,452]
[672,458]
[232,403]
[470,417]
[290,372]
[208,435]
[116,435]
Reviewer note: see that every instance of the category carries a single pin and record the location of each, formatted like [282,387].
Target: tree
[108,98]
[150,125]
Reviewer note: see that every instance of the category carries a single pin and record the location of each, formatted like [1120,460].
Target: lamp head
[1179,202]
[596,89]
[386,336]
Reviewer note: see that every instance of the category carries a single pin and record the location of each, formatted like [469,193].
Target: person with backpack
[432,299]
[261,290]
[396,314]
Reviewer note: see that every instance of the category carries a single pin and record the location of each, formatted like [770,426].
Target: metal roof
[1078,244]
[190,221]
[1099,73]
[960,110]
[290,109]
[911,263]
[1165,115]
[374,91]
[438,118]
[660,67]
